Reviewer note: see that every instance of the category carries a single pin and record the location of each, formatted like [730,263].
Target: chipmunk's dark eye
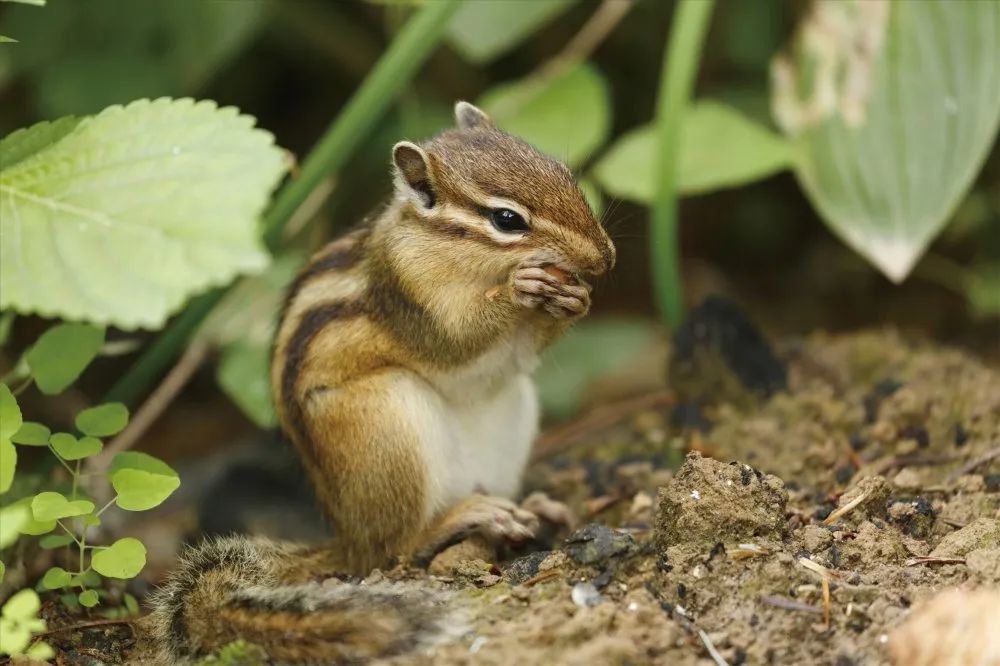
[507,221]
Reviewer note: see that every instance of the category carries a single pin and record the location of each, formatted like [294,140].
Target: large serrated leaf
[895,122]
[121,219]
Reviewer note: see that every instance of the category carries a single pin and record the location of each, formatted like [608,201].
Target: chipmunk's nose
[601,261]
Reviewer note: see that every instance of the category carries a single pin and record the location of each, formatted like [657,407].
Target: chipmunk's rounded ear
[469,116]
[413,173]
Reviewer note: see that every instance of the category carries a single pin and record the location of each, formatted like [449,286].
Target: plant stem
[680,64]
[391,73]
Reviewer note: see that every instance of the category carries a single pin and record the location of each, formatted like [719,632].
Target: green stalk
[397,66]
[680,64]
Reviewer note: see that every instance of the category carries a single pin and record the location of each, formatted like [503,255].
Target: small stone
[585,595]
[983,533]
[450,560]
[985,562]
[875,490]
[595,544]
[908,479]
[523,568]
[815,538]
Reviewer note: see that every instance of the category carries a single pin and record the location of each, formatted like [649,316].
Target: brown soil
[715,554]
[874,475]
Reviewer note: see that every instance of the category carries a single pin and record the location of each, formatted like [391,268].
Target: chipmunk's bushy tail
[269,594]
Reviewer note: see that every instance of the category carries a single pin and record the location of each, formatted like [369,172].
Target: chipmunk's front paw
[558,293]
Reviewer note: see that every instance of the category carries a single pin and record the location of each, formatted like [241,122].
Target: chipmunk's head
[498,199]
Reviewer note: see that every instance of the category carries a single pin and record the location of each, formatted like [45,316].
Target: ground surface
[873,473]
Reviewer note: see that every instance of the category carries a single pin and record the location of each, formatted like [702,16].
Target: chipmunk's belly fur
[488,419]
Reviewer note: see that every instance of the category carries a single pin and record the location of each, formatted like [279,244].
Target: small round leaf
[8,461]
[61,354]
[53,506]
[70,448]
[141,480]
[55,578]
[52,541]
[138,490]
[10,413]
[123,559]
[23,605]
[103,420]
[88,599]
[32,434]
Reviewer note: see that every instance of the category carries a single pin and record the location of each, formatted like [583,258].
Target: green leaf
[32,434]
[69,600]
[70,448]
[28,141]
[16,519]
[535,110]
[131,604]
[593,196]
[983,290]
[486,29]
[6,321]
[103,420]
[891,142]
[4,39]
[10,413]
[55,578]
[134,210]
[589,351]
[88,578]
[125,558]
[8,462]
[62,353]
[3,571]
[141,480]
[22,605]
[243,373]
[88,599]
[53,541]
[720,148]
[53,506]
[40,651]
[138,490]
[37,3]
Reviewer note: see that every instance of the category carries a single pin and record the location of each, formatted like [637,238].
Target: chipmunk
[402,374]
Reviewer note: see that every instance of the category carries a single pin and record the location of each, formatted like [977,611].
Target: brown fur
[389,306]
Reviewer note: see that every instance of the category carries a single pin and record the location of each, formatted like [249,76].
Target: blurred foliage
[535,108]
[719,148]
[486,29]
[896,105]
[588,352]
[84,56]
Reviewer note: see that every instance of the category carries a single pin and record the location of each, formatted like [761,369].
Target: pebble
[585,595]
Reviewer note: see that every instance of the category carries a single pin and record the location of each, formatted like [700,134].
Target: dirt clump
[710,501]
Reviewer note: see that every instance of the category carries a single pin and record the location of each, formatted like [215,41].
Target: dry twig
[151,410]
[973,464]
[562,436]
[912,562]
[790,604]
[844,510]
